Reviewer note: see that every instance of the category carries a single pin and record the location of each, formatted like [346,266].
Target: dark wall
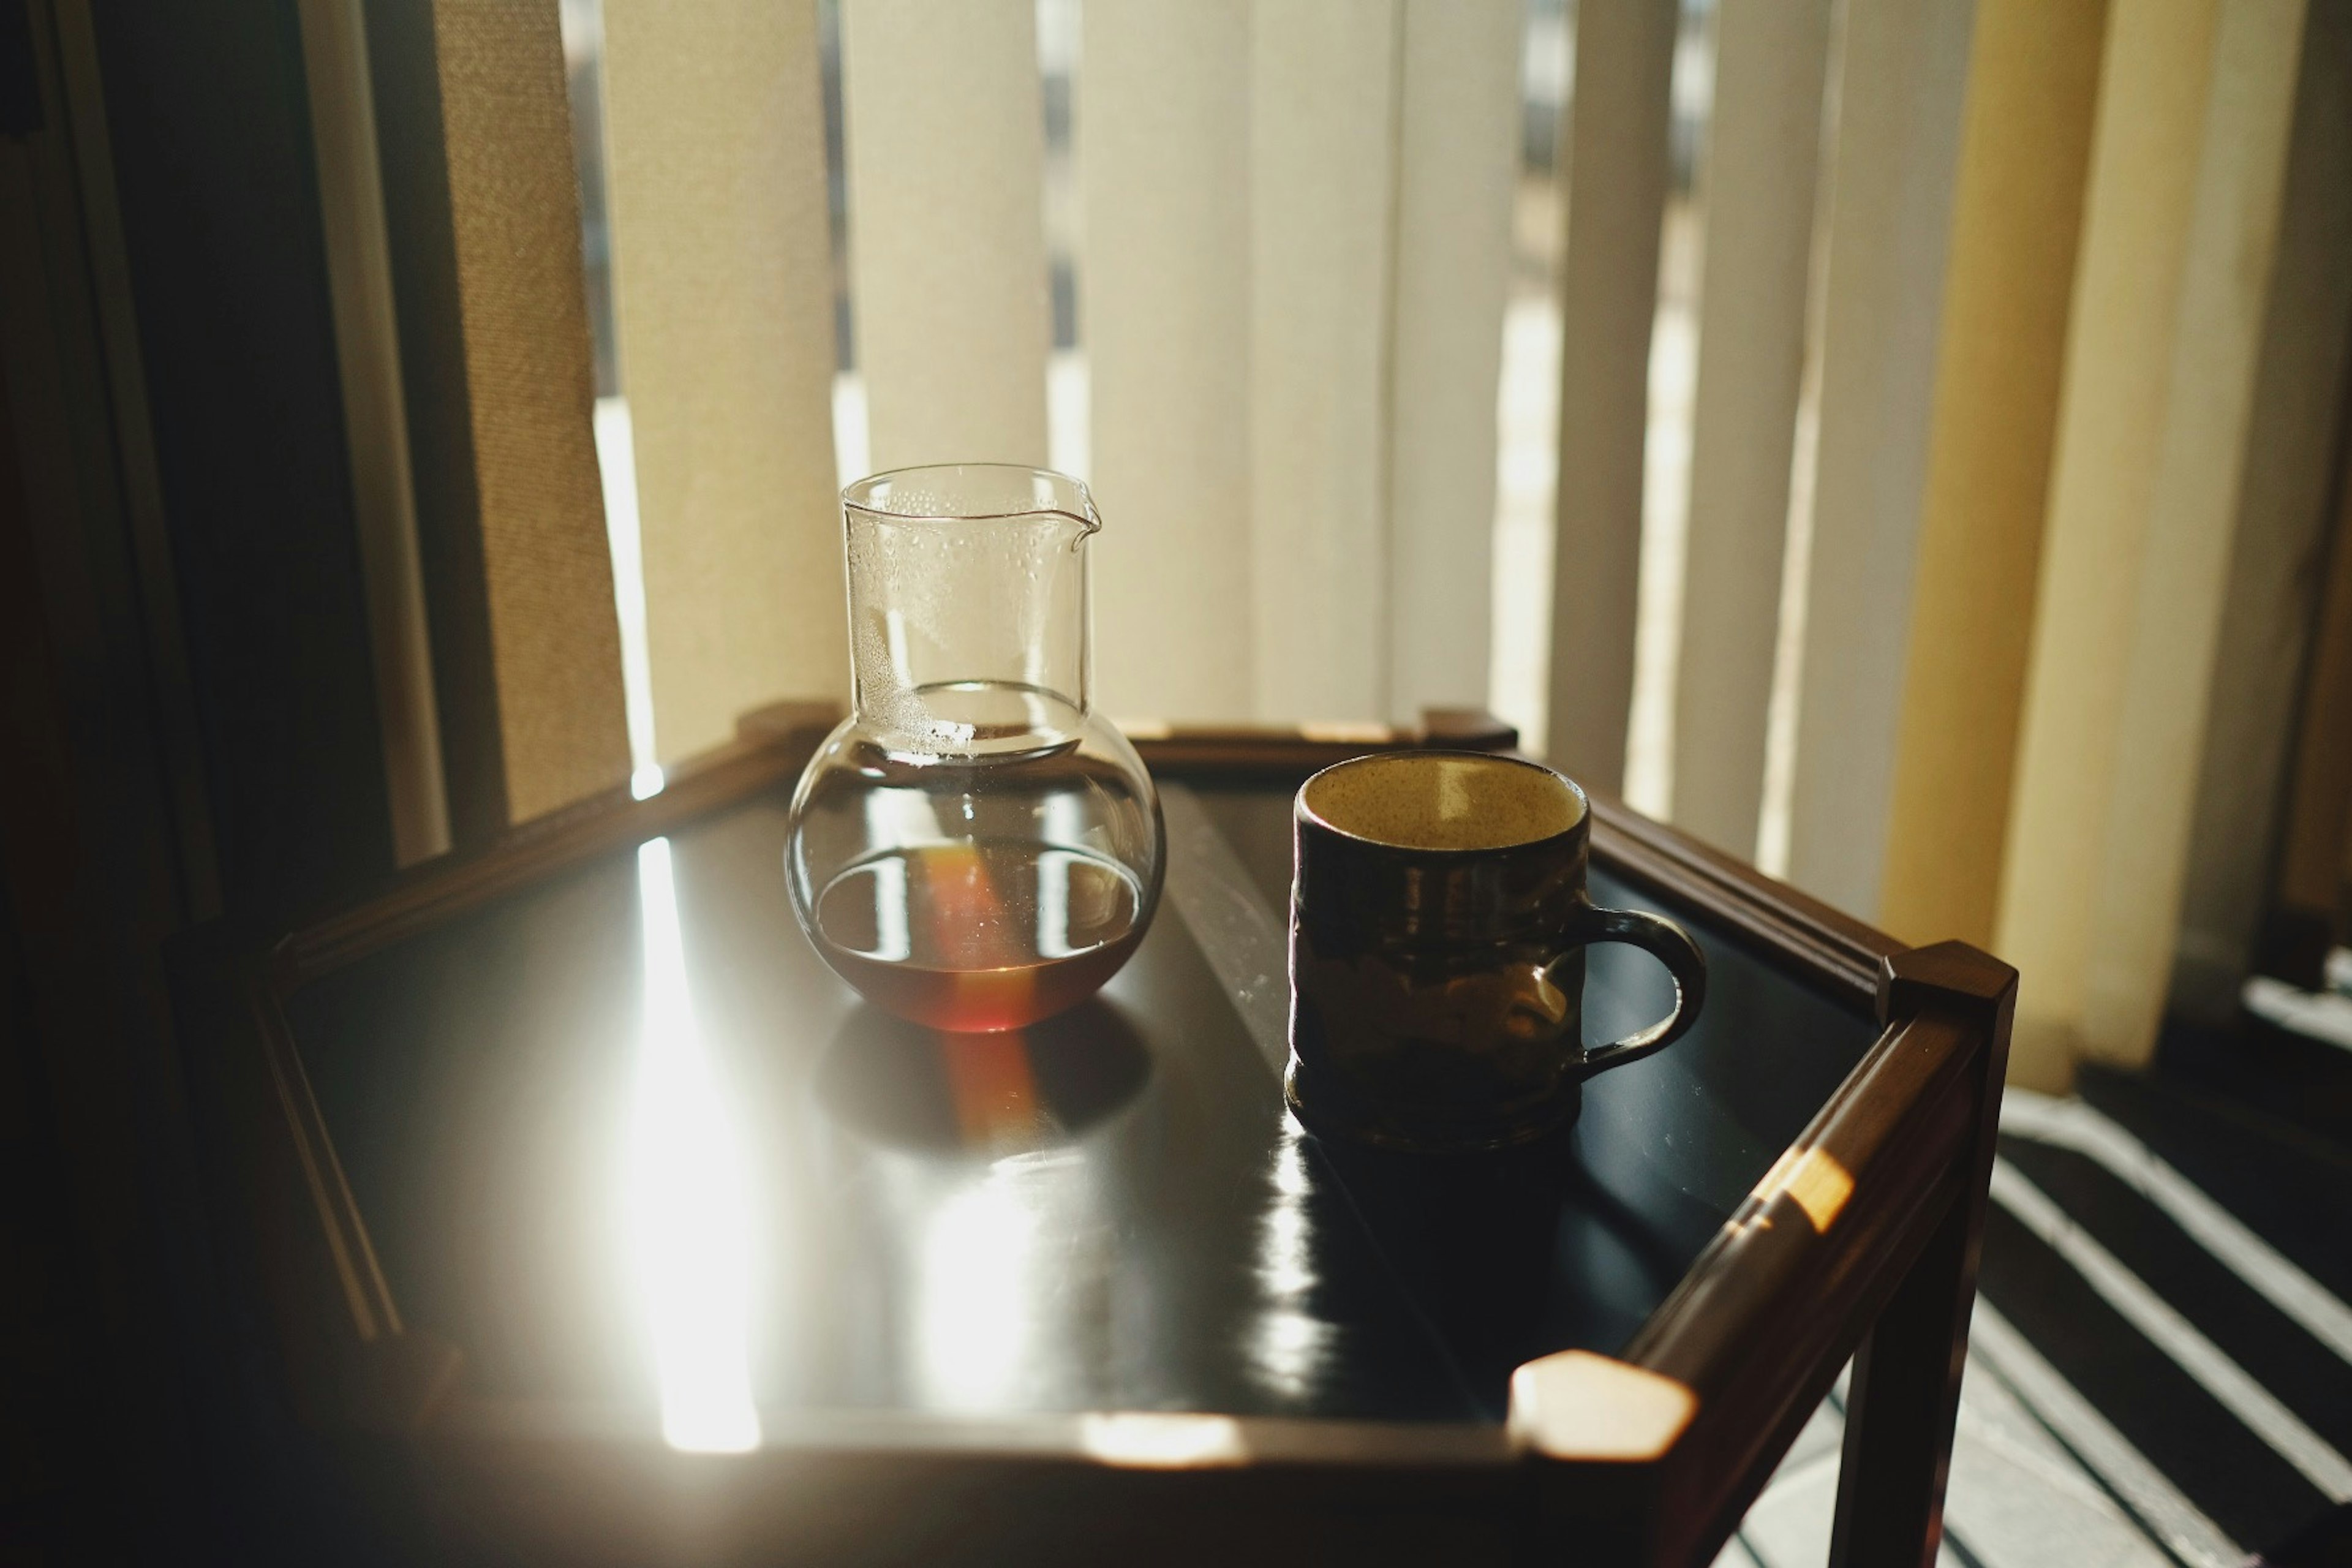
[207,110]
[139,1421]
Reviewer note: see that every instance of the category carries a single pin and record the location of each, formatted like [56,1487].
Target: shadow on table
[1477,1240]
[909,1086]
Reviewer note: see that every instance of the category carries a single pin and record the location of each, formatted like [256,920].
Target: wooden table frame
[1861,1241]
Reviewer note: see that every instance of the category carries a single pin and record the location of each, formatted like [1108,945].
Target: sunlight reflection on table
[687,1203]
[1286,1345]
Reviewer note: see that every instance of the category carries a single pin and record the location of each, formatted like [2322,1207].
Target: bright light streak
[976,1321]
[1061,821]
[688,1202]
[1155,1440]
[1287,1345]
[1054,868]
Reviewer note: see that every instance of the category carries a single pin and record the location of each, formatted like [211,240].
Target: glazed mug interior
[1443,800]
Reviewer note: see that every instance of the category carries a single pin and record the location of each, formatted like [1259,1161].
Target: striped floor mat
[2160,1364]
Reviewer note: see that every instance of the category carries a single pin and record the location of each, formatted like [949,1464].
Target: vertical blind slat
[2291,469]
[1458,154]
[2192,523]
[1614,161]
[945,146]
[545,573]
[2269,635]
[1163,170]
[1903,76]
[2317,832]
[2017,214]
[2184,210]
[2110,424]
[723,292]
[1323,105]
[376,420]
[1763,151]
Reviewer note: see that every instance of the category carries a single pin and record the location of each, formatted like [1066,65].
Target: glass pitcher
[972,849]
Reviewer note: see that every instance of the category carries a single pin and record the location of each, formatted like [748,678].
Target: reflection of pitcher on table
[972,847]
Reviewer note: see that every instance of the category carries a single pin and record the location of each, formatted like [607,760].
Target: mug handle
[1670,946]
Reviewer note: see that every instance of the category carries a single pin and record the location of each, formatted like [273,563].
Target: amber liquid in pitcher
[978,935]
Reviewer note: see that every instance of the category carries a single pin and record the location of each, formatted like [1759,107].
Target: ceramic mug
[1438,923]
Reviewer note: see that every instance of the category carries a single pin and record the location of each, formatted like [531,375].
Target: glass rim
[857,495]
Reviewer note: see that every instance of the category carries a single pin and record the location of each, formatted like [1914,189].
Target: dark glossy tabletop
[625,1140]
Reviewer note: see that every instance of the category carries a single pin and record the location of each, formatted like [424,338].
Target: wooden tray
[1091,1292]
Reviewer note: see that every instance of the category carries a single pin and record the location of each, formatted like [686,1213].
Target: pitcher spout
[969,607]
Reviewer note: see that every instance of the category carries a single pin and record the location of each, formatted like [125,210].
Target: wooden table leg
[1905,1393]
[1902,1404]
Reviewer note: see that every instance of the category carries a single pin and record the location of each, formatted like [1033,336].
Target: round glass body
[972,847]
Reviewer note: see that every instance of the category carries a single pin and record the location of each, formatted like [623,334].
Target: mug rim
[1302,812]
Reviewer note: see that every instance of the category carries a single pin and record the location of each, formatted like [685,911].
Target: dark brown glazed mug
[1438,923]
